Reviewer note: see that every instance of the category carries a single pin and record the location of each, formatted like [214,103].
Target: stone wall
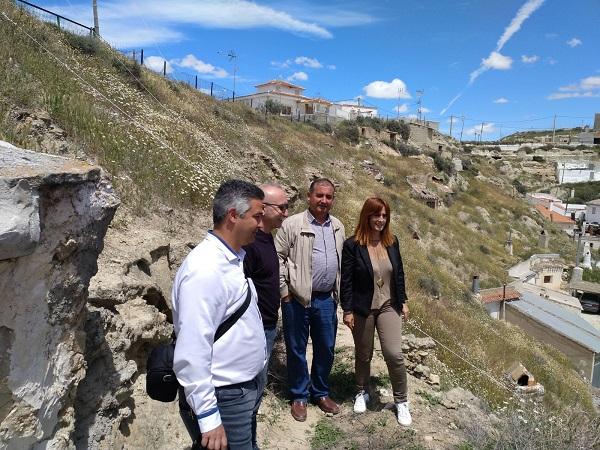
[54,213]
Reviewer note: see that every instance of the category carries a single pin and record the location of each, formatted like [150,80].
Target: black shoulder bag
[161,382]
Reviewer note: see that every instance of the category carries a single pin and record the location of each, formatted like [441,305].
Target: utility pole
[553,128]
[398,107]
[451,119]
[96,24]
[462,128]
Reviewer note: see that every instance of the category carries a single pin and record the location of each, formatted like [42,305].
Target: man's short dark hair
[318,181]
[234,194]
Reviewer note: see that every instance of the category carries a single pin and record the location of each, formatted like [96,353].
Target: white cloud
[501,100]
[331,67]
[551,61]
[305,61]
[124,36]
[515,25]
[300,76]
[190,61]
[590,83]
[382,89]
[281,65]
[157,64]
[425,110]
[488,128]
[401,108]
[496,60]
[588,87]
[574,42]
[530,59]
[131,23]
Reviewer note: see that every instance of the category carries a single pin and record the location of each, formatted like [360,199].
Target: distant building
[294,103]
[563,222]
[494,300]
[352,110]
[290,97]
[561,329]
[543,270]
[597,122]
[592,211]
[577,172]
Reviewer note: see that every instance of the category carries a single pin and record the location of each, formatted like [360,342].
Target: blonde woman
[373,297]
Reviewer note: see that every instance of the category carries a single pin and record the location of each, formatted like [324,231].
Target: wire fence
[62,22]
[166,69]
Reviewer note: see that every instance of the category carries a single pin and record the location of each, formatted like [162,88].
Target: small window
[593,210]
[547,278]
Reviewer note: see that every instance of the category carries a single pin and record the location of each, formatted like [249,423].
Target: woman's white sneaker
[360,402]
[403,414]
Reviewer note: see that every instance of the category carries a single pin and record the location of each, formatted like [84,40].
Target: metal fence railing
[62,22]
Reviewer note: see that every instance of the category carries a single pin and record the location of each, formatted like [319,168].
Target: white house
[351,110]
[577,172]
[291,97]
[592,211]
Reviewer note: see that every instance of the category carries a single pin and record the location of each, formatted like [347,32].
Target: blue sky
[512,65]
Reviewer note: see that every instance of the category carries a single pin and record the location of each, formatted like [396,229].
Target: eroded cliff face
[54,213]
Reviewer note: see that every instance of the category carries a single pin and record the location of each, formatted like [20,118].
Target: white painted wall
[592,213]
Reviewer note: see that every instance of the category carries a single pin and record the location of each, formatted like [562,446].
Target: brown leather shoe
[327,405]
[299,410]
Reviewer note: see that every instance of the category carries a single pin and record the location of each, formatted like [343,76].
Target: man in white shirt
[221,379]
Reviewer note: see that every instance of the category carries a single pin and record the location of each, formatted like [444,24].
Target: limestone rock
[44,290]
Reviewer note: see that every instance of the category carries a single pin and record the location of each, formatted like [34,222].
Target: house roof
[594,202]
[585,286]
[498,294]
[558,319]
[280,83]
[553,216]
[373,108]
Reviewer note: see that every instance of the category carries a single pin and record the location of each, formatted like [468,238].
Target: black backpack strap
[231,320]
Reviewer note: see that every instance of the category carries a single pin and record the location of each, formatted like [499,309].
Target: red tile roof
[280,83]
[553,216]
[497,295]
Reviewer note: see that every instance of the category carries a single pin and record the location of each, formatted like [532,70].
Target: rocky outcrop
[54,213]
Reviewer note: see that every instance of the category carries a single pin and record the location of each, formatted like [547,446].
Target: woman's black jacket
[356,290]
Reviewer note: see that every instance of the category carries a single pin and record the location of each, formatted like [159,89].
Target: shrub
[322,127]
[528,150]
[431,286]
[399,127]
[347,131]
[274,107]
[539,159]
[406,149]
[443,164]
[521,189]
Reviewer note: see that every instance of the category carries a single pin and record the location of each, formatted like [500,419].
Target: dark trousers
[320,322]
[238,405]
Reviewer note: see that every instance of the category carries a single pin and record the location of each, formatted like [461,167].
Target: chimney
[475,285]
[577,274]
[543,242]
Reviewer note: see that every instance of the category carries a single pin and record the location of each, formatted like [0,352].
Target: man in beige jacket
[309,246]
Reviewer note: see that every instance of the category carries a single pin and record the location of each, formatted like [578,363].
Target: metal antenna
[232,57]
[420,93]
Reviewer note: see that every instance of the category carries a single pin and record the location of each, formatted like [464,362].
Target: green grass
[326,435]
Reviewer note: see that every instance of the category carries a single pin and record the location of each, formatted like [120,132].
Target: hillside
[167,147]
[531,136]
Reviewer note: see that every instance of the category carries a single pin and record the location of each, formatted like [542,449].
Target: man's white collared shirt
[209,287]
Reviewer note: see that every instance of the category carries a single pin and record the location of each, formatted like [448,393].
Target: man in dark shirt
[261,264]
